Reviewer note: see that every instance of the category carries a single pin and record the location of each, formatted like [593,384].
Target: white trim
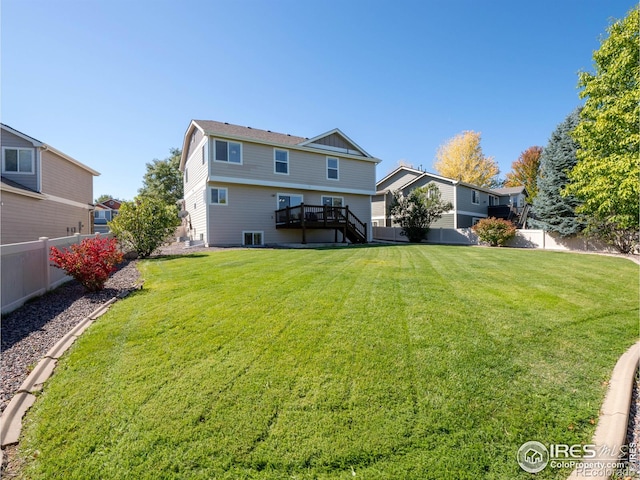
[261,232]
[24,136]
[226,195]
[227,161]
[20,191]
[275,161]
[70,159]
[66,201]
[293,186]
[337,169]
[331,132]
[17,149]
[472,214]
[455,205]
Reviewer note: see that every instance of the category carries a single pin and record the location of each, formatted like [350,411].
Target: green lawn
[398,362]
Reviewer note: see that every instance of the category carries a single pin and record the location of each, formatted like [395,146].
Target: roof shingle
[212,127]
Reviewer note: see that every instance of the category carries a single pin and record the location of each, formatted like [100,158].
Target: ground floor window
[252,238]
[475,220]
[332,201]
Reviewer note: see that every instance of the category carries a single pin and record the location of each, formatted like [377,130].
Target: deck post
[304,233]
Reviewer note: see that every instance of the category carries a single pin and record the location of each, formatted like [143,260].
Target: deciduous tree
[144,224]
[552,210]
[524,171]
[418,210]
[607,175]
[461,158]
[163,179]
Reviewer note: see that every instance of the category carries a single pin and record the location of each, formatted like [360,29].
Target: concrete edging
[611,432]
[11,418]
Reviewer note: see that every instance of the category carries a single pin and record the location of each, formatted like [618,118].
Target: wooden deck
[339,219]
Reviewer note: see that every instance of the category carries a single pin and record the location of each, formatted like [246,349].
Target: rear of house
[44,192]
[245,186]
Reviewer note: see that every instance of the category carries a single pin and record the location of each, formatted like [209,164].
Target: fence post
[46,274]
[77,239]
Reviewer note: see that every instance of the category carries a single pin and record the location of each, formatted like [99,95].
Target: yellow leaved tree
[461,158]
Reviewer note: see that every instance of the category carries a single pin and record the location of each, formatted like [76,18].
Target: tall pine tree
[552,211]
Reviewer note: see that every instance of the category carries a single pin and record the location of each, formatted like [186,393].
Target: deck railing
[320,216]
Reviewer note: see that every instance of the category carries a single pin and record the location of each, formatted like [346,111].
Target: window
[17,160]
[228,152]
[475,220]
[203,154]
[289,200]
[218,196]
[332,201]
[100,214]
[475,197]
[493,200]
[252,238]
[186,175]
[332,168]
[281,159]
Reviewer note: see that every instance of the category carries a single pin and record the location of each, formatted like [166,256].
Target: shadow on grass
[164,258]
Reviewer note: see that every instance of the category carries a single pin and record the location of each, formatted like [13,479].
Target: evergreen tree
[553,211]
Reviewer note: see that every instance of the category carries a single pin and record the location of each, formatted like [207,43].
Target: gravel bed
[31,330]
[633,430]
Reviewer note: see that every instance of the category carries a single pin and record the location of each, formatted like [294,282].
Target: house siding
[397,181]
[195,190]
[24,219]
[8,139]
[465,205]
[447,190]
[197,138]
[305,168]
[65,179]
[252,208]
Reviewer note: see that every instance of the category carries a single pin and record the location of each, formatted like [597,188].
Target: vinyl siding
[8,139]
[305,168]
[446,188]
[24,219]
[378,206]
[252,208]
[398,180]
[197,138]
[65,179]
[465,205]
[195,190]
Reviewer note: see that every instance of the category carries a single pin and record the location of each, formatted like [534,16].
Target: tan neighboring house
[245,186]
[43,192]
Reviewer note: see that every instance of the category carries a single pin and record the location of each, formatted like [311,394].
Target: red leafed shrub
[89,262]
[495,231]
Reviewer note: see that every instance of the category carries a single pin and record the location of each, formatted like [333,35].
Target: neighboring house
[104,212]
[43,192]
[471,203]
[244,186]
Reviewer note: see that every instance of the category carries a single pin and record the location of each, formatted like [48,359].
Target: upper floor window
[17,160]
[332,168]
[475,197]
[493,200]
[281,159]
[218,196]
[225,151]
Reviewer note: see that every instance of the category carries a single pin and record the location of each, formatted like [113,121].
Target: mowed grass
[398,362]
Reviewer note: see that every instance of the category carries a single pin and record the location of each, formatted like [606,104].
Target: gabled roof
[44,146]
[333,140]
[511,190]
[24,136]
[110,204]
[210,127]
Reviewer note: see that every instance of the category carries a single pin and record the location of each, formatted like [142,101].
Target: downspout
[455,205]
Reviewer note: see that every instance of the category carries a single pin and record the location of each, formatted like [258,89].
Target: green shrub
[495,231]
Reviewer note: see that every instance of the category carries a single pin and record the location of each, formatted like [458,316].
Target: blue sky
[114,83]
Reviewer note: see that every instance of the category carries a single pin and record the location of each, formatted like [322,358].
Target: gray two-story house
[471,203]
[246,186]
